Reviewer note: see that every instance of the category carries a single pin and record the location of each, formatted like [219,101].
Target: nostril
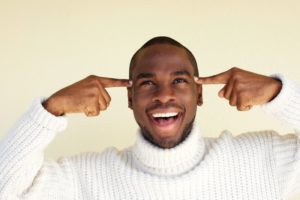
[163,98]
[164,95]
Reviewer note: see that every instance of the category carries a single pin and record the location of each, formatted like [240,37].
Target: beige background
[46,45]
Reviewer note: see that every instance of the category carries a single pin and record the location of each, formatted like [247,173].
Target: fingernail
[130,83]
[196,78]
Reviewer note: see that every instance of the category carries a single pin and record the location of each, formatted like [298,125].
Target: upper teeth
[171,114]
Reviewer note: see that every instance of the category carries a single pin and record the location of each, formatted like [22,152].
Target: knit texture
[256,165]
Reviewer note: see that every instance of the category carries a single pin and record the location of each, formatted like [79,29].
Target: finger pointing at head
[221,78]
[113,82]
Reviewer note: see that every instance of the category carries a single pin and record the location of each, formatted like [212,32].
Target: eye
[147,83]
[179,80]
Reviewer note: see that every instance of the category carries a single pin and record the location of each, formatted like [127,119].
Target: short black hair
[163,40]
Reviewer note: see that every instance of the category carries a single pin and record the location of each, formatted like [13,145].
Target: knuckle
[235,72]
[96,112]
[235,69]
[232,103]
[240,108]
[88,113]
[91,77]
[94,80]
[102,105]
[221,93]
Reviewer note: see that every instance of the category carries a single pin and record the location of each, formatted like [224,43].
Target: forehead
[162,59]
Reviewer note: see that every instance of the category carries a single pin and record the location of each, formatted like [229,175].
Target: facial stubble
[167,144]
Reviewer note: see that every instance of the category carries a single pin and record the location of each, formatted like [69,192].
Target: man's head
[164,95]
[163,40]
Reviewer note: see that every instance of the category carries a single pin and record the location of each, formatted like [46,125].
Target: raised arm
[279,97]
[23,172]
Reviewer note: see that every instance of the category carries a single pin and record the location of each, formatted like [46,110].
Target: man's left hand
[244,89]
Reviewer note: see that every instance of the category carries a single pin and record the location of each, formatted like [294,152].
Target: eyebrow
[151,75]
[144,75]
[181,72]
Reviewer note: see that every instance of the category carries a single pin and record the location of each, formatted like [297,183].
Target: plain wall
[47,45]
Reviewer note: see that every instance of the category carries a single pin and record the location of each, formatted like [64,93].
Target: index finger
[114,82]
[221,78]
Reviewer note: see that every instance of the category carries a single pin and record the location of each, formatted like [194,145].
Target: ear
[200,98]
[129,95]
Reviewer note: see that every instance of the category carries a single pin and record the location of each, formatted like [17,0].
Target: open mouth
[165,119]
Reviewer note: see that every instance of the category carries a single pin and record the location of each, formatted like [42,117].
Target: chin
[167,142]
[167,139]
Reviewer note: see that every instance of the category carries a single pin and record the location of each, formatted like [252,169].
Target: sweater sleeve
[22,165]
[286,148]
[286,105]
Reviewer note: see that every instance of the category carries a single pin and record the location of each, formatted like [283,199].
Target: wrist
[51,106]
[277,88]
[282,99]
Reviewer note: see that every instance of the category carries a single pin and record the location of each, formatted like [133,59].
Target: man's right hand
[244,89]
[87,96]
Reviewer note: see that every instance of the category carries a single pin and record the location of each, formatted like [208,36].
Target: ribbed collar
[174,161]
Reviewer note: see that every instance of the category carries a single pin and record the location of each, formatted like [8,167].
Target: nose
[164,94]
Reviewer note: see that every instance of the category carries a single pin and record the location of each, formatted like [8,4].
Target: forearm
[21,151]
[286,105]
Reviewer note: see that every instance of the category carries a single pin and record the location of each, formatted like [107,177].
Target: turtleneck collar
[173,161]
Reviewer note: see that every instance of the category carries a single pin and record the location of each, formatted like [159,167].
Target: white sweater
[258,165]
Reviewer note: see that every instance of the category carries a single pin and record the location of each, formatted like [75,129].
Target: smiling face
[164,96]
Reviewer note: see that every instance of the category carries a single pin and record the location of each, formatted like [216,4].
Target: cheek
[188,95]
[139,103]
[141,97]
[189,99]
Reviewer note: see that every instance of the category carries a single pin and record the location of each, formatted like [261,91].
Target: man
[170,159]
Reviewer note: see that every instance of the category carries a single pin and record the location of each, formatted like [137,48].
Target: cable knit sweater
[257,165]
